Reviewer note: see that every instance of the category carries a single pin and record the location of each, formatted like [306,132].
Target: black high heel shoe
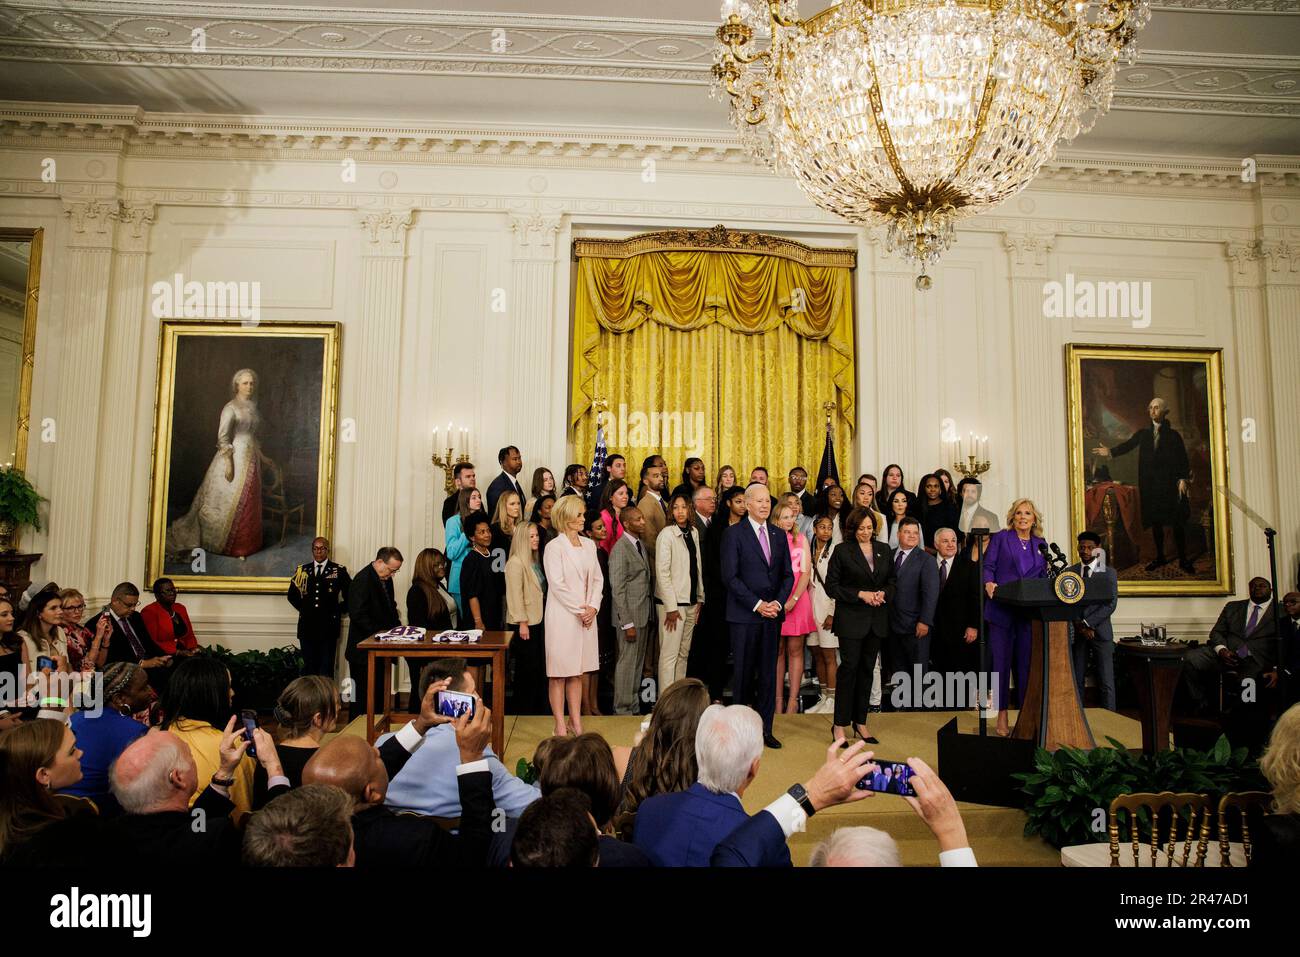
[868,739]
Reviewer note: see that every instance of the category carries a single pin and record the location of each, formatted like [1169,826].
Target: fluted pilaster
[383,266]
[894,352]
[1281,276]
[531,306]
[87,277]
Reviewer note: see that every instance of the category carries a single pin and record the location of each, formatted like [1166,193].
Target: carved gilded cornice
[718,239]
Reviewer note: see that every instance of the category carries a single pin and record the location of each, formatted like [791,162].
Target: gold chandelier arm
[882,130]
[990,86]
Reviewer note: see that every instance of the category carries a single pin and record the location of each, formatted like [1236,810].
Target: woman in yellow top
[196,706]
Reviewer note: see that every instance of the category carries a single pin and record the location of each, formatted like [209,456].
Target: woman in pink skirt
[575,587]
[799,621]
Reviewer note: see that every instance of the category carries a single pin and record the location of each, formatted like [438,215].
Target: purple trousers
[1010,644]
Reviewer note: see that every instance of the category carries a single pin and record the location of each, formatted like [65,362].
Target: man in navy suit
[911,614]
[686,828]
[1093,630]
[758,577]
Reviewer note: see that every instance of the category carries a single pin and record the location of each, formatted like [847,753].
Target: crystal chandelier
[914,114]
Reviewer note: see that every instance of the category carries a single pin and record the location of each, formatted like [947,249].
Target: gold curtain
[727,355]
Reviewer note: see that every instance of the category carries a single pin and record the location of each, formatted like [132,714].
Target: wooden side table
[16,572]
[379,660]
[1155,670]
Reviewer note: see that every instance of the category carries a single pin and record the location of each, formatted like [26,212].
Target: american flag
[596,477]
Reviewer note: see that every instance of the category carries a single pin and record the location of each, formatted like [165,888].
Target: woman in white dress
[824,644]
[575,587]
[225,517]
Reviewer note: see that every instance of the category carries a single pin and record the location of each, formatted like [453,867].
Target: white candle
[435,438]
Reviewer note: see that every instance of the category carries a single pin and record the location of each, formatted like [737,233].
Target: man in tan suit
[630,584]
[652,505]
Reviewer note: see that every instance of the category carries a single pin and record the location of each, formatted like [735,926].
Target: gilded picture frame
[238,514]
[1151,491]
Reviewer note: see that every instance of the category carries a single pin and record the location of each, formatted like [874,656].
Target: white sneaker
[825,706]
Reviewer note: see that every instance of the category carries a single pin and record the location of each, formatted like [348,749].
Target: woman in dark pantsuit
[861,580]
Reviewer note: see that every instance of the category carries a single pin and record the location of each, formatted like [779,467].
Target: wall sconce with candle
[449,460]
[970,456]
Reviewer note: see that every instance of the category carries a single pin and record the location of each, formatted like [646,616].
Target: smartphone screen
[453,704]
[249,718]
[888,777]
[43,662]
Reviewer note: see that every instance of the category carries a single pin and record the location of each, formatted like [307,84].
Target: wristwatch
[223,784]
[799,794]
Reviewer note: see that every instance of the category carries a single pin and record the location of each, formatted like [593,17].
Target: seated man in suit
[130,640]
[1093,631]
[427,782]
[1243,640]
[153,780]
[683,828]
[385,838]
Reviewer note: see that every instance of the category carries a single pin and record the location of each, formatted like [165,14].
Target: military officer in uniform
[319,590]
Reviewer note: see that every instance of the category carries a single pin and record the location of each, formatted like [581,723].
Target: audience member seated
[130,640]
[585,764]
[310,826]
[662,761]
[1242,641]
[428,784]
[196,705]
[868,847]
[155,781]
[307,710]
[168,621]
[557,831]
[1277,837]
[87,650]
[38,826]
[104,731]
[383,837]
[684,829]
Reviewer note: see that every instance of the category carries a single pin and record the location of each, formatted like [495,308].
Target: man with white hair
[153,780]
[683,829]
[856,847]
[1164,476]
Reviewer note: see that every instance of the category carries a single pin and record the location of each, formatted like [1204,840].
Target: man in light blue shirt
[427,784]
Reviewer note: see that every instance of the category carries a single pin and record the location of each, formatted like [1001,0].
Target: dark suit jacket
[849,574]
[916,592]
[748,577]
[1230,632]
[503,483]
[808,502]
[759,842]
[388,839]
[958,609]
[683,828]
[323,598]
[1097,613]
[1159,470]
[371,606]
[119,645]
[1277,841]
[173,841]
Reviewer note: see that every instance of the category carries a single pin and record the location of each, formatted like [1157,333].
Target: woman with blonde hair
[307,710]
[1277,841]
[507,515]
[1013,553]
[725,479]
[86,651]
[798,623]
[525,610]
[576,588]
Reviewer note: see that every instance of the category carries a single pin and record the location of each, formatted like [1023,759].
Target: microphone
[1060,555]
[1042,550]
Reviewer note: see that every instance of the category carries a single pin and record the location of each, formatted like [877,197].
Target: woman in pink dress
[799,621]
[575,587]
[612,502]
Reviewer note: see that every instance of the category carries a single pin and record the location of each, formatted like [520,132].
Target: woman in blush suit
[573,599]
[1012,554]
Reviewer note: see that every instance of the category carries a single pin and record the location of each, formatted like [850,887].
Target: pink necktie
[767,547]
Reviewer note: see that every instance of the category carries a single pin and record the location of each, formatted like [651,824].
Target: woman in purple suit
[1012,554]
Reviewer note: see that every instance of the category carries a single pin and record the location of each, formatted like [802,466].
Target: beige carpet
[996,834]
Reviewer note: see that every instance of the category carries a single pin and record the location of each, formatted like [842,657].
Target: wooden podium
[1052,714]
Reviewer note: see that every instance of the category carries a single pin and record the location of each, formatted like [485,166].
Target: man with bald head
[758,577]
[385,838]
[153,780]
[1163,481]
[319,592]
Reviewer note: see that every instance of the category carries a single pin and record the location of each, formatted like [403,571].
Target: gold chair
[1244,802]
[275,505]
[1193,809]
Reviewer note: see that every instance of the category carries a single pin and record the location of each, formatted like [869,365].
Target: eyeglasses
[81,607]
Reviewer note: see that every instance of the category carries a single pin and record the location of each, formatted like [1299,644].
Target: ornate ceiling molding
[717,237]
[136,133]
[251,37]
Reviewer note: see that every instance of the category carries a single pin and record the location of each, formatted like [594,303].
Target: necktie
[898,561]
[1087,571]
[637,543]
[690,554]
[1254,620]
[943,573]
[766,545]
[136,646]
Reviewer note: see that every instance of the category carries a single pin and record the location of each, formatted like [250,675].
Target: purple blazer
[1005,561]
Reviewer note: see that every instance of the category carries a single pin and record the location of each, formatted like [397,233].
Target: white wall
[421,346]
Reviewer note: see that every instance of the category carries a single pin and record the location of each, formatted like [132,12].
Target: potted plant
[19,506]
